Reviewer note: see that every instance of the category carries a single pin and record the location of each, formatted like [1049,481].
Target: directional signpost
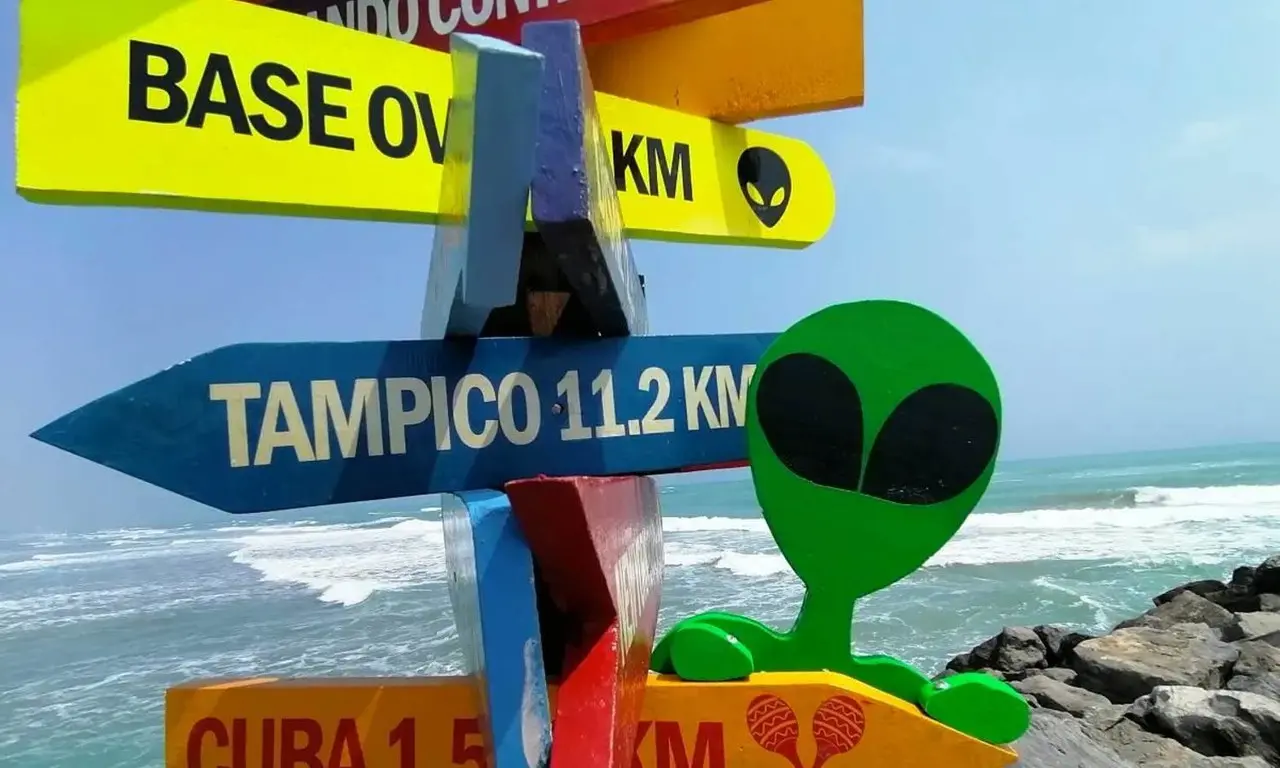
[534,395]
[597,541]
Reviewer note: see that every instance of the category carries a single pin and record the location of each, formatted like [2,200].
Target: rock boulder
[1188,608]
[1012,652]
[1128,663]
[1051,694]
[1256,624]
[1057,740]
[1266,578]
[1202,587]
[1227,723]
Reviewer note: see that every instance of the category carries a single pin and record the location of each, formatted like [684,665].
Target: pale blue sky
[1091,190]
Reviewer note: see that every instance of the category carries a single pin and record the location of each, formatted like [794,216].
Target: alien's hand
[979,705]
[885,673]
[713,647]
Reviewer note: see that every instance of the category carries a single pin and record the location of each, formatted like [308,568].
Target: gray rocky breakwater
[1192,683]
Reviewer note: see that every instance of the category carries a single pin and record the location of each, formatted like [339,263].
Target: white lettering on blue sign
[384,410]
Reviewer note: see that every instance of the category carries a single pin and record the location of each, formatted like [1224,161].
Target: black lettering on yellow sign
[158,73]
[399,123]
[411,113]
[673,169]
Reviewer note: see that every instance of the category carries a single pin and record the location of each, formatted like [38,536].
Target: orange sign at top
[430,22]
[773,59]
[731,60]
[778,720]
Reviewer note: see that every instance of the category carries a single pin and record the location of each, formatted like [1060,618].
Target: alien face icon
[765,182]
[872,429]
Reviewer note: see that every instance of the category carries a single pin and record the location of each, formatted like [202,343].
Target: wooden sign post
[534,395]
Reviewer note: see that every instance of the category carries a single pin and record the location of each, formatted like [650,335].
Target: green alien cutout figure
[872,431]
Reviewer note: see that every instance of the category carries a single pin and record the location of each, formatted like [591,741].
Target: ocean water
[93,627]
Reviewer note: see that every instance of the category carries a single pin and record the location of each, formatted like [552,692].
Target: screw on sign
[837,727]
[774,726]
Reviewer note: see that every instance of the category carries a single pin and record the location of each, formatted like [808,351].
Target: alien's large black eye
[812,417]
[934,445]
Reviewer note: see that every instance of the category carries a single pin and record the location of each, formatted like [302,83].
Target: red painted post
[597,544]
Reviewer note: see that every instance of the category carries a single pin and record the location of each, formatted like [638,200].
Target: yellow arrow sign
[224,106]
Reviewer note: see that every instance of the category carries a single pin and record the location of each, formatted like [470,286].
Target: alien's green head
[872,430]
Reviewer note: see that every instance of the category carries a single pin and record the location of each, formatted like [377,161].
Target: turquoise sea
[94,626]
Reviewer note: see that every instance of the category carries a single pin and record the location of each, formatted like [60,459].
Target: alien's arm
[713,647]
[893,676]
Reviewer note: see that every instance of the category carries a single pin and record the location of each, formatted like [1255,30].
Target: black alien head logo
[765,182]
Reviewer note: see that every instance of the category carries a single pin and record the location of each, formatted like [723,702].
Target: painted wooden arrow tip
[491,133]
[494,595]
[598,546]
[573,195]
[115,428]
[54,434]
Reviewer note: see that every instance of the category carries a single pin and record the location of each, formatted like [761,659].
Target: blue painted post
[573,195]
[489,153]
[495,605]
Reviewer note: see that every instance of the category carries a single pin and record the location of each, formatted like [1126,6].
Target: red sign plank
[597,545]
[430,22]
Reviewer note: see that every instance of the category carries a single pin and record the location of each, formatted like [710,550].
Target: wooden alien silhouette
[872,431]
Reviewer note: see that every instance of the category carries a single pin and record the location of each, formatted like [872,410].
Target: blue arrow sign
[260,427]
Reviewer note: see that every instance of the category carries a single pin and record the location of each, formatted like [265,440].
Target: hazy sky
[1091,190]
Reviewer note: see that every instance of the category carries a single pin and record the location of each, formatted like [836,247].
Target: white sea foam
[708,524]
[1198,525]
[1101,610]
[347,563]
[114,553]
